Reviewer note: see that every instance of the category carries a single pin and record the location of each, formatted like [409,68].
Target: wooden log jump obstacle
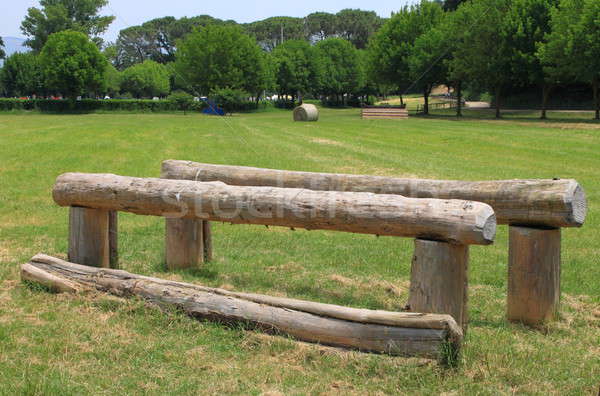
[395,333]
[379,113]
[535,211]
[450,225]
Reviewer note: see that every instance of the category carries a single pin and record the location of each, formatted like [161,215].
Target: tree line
[495,46]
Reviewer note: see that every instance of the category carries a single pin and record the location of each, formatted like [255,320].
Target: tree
[481,50]
[72,64]
[571,50]
[299,70]
[182,100]
[426,62]
[2,53]
[146,80]
[271,32]
[392,45]
[342,72]
[22,75]
[321,25]
[112,81]
[59,15]
[156,39]
[357,26]
[221,57]
[527,23]
[452,5]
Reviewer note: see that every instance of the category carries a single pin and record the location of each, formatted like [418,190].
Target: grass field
[95,344]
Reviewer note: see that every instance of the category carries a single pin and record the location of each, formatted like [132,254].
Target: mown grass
[55,344]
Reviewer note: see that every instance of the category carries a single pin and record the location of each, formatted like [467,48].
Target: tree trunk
[498,93]
[387,215]
[595,85]
[395,333]
[401,100]
[426,101]
[551,203]
[459,98]
[546,89]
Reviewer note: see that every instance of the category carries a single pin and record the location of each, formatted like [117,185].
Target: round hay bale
[306,112]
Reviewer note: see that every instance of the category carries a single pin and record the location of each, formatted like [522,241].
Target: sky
[135,12]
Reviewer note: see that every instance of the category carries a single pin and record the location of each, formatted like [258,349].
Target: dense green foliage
[231,100]
[59,15]
[22,76]
[93,105]
[2,53]
[571,51]
[342,71]
[299,69]
[146,80]
[72,64]
[156,39]
[488,48]
[221,57]
[182,100]
[392,46]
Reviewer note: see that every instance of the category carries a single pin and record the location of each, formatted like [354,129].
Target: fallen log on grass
[547,203]
[455,221]
[395,333]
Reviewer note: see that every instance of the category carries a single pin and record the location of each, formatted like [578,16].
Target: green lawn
[95,344]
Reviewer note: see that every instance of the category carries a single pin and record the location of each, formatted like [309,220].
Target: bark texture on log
[113,238]
[89,237]
[439,279]
[551,203]
[408,334]
[207,241]
[533,275]
[455,221]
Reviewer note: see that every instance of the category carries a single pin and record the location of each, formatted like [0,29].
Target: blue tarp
[212,108]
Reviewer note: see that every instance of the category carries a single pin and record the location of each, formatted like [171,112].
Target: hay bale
[306,112]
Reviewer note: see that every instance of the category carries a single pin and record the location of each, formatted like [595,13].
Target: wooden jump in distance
[443,228]
[395,333]
[535,210]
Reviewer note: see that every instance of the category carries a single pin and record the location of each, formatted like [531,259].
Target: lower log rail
[395,333]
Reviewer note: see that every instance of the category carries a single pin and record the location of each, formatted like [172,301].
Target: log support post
[185,243]
[439,279]
[89,239]
[533,275]
[207,241]
[113,238]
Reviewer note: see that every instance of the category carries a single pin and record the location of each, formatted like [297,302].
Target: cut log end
[578,205]
[489,227]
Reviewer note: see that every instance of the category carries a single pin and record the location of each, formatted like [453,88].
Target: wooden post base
[89,237]
[439,279]
[533,275]
[184,243]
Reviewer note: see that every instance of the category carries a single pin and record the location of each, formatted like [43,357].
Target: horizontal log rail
[535,210]
[454,221]
[546,203]
[395,333]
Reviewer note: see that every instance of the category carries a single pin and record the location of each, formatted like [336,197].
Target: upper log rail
[454,221]
[541,203]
